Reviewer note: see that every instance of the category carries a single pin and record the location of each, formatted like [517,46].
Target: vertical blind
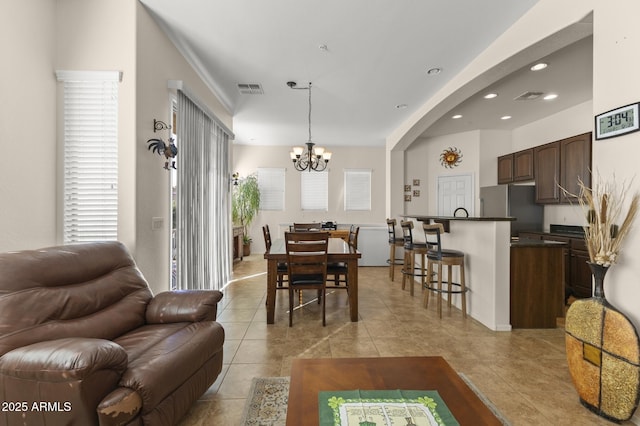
[203,234]
[90,206]
[314,191]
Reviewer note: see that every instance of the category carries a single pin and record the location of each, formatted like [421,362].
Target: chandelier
[312,157]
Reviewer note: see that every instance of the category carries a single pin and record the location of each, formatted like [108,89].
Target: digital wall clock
[616,122]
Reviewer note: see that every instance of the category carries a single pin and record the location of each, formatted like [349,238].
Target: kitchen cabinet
[536,284]
[580,273]
[562,163]
[505,169]
[547,172]
[516,167]
[523,165]
[575,165]
[577,274]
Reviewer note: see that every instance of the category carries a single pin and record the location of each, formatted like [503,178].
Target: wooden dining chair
[338,271]
[281,268]
[307,266]
[305,227]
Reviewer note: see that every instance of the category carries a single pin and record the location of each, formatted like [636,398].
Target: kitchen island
[486,243]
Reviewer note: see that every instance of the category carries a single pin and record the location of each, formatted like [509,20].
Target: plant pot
[246,249]
[603,354]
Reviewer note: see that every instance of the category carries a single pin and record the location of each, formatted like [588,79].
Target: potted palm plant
[245,204]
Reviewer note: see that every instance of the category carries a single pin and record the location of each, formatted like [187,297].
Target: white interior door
[455,191]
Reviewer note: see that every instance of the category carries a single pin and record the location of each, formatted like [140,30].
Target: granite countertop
[526,242]
[471,218]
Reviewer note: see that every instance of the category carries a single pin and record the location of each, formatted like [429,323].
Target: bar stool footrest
[414,274]
[445,291]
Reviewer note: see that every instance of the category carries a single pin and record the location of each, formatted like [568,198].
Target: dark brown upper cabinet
[516,167]
[562,163]
[547,173]
[575,165]
[523,165]
[505,169]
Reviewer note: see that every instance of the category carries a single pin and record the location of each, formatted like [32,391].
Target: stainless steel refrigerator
[513,201]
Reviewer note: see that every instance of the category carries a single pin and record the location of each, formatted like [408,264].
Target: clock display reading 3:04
[617,122]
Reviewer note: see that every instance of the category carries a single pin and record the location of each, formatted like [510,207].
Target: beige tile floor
[523,372]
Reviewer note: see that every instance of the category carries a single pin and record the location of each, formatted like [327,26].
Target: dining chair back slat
[305,227]
[307,265]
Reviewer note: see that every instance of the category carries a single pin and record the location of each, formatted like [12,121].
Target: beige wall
[80,35]
[98,35]
[158,61]
[616,36]
[68,34]
[480,150]
[28,126]
[615,74]
[247,159]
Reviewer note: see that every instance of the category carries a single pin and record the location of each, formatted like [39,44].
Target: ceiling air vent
[250,89]
[528,96]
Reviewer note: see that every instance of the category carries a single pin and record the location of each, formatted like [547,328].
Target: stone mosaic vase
[603,354]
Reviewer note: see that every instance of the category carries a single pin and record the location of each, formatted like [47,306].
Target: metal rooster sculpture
[169,151]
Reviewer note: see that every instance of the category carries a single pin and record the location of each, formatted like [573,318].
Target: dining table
[338,250]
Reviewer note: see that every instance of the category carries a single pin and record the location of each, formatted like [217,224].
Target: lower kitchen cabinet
[579,284]
[577,275]
[536,284]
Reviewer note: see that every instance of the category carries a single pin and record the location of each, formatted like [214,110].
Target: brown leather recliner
[83,341]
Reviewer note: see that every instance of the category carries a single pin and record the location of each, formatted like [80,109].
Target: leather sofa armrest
[183,306]
[73,374]
[63,360]
[120,407]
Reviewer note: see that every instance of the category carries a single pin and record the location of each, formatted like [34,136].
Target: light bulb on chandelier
[314,158]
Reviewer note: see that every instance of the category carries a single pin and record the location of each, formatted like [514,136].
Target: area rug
[267,402]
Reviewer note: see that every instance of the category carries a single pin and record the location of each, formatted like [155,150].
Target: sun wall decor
[451,157]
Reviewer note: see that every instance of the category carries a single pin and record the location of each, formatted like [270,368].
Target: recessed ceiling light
[505,117]
[550,96]
[455,117]
[401,106]
[434,71]
[490,95]
[538,67]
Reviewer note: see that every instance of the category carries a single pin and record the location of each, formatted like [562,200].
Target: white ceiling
[376,57]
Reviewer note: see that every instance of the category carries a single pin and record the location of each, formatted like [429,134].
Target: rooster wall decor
[168,150]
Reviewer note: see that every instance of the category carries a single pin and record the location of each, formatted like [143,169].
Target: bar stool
[393,243]
[412,249]
[449,258]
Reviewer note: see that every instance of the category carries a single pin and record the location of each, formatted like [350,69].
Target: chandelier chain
[309,111]
[311,159]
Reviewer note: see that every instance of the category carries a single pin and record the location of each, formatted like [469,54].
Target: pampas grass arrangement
[604,205]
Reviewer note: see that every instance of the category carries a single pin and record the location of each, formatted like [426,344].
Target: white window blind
[357,189]
[271,182]
[90,155]
[314,191]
